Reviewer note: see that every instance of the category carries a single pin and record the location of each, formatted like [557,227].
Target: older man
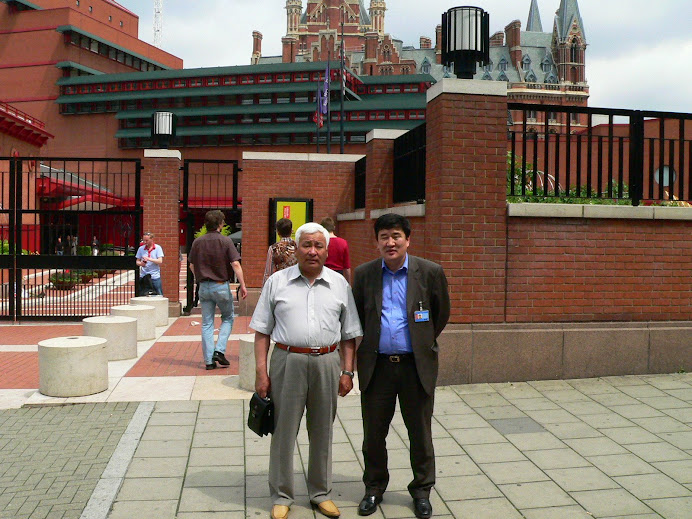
[308,311]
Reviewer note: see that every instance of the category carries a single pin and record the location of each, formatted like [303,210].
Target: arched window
[489,66]
[574,75]
[425,67]
[405,70]
[574,52]
[386,53]
[502,66]
[546,64]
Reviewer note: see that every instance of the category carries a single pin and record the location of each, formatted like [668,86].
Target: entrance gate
[207,185]
[68,232]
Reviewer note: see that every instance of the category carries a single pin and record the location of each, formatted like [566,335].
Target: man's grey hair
[311,228]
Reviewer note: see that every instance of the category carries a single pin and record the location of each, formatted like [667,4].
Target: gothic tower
[294,8]
[377,9]
[569,42]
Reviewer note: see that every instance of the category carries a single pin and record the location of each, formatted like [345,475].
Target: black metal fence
[207,185]
[68,232]
[409,166]
[597,153]
[359,182]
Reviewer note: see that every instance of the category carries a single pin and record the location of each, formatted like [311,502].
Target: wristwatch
[349,373]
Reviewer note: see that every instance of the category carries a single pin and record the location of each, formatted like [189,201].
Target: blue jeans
[156,283]
[211,295]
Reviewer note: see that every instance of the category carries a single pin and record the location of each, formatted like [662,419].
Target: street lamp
[465,39]
[163,125]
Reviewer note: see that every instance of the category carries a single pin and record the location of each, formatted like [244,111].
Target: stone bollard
[118,330]
[160,303]
[146,319]
[246,364]
[72,366]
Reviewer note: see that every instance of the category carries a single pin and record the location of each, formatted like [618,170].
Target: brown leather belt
[309,351]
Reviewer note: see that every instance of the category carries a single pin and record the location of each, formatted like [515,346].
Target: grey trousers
[300,382]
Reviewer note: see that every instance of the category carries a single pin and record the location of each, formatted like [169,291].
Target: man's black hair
[392,221]
[284,226]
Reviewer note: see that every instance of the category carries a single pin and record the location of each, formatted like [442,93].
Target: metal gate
[68,234]
[207,185]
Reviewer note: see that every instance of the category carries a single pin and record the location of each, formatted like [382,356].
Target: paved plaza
[168,440]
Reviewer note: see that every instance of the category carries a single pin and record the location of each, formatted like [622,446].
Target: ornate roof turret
[534,23]
[566,16]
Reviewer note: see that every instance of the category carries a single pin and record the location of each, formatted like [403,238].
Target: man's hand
[243,291]
[345,385]
[263,385]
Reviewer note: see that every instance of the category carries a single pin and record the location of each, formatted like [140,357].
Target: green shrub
[84,250]
[225,231]
[65,280]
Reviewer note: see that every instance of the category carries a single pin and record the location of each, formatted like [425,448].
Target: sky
[639,53]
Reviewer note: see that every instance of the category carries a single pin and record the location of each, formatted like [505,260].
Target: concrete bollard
[246,364]
[160,303]
[146,319]
[72,366]
[119,331]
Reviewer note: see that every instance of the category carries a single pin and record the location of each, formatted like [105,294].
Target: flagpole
[327,81]
[343,81]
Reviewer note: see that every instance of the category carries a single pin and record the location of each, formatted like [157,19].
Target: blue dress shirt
[394,334]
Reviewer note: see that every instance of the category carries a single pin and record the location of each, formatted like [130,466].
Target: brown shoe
[279,512]
[328,508]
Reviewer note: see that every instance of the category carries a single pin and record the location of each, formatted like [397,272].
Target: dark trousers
[389,381]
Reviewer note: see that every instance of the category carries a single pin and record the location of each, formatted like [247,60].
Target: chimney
[288,49]
[256,47]
[425,42]
[497,39]
[513,33]
[438,44]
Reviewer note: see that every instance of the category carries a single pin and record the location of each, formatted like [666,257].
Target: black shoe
[212,365]
[422,507]
[220,358]
[369,504]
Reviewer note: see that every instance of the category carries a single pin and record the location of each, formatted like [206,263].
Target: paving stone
[491,508]
[216,456]
[621,465]
[446,466]
[477,436]
[581,478]
[652,452]
[616,502]
[535,441]
[494,453]
[215,477]
[153,509]
[148,489]
[595,446]
[556,459]
[673,508]
[163,448]
[177,406]
[513,472]
[652,486]
[212,499]
[564,431]
[219,425]
[212,515]
[661,424]
[627,435]
[160,418]
[217,439]
[557,512]
[680,471]
[538,494]
[157,467]
[682,440]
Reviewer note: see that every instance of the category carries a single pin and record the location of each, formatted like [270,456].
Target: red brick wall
[160,191]
[329,184]
[598,270]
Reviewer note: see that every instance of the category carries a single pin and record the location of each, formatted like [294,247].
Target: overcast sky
[639,52]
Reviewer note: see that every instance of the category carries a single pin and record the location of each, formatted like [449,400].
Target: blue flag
[325,92]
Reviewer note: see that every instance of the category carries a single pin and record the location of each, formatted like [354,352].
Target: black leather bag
[260,419]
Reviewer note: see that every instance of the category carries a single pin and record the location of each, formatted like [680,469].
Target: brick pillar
[465,192]
[379,184]
[161,200]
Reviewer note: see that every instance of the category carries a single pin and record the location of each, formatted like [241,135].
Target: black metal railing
[359,183]
[69,229]
[578,153]
[206,185]
[409,166]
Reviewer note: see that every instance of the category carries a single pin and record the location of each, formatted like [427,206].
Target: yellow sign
[295,210]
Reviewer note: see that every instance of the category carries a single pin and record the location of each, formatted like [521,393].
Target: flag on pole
[317,117]
[325,92]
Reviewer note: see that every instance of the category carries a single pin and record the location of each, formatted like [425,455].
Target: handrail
[23,116]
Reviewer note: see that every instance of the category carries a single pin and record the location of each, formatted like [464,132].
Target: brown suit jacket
[426,283]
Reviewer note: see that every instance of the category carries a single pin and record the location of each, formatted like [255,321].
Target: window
[247,80]
[574,52]
[392,89]
[397,115]
[303,76]
[551,79]
[502,77]
[283,78]
[179,83]
[121,24]
[213,81]
[487,76]
[425,67]
[552,117]
[195,82]
[91,9]
[416,114]
[526,63]
[531,77]
[376,90]
[357,116]
[502,66]
[546,64]
[489,66]
[377,116]
[530,115]
[264,78]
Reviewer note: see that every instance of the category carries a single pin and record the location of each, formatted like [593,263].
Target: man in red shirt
[338,258]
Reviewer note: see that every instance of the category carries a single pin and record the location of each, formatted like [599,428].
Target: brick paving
[51,458]
[168,359]
[19,370]
[191,325]
[31,334]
